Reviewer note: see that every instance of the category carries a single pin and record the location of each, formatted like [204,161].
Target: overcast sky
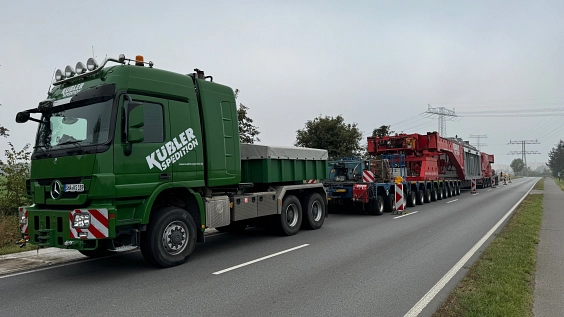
[373,62]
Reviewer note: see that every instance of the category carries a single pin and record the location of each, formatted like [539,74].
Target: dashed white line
[409,214]
[448,202]
[489,189]
[260,259]
[427,298]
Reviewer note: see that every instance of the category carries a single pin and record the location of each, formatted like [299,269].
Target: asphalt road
[355,265]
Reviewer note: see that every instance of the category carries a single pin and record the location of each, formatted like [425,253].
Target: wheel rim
[291,215]
[316,211]
[175,237]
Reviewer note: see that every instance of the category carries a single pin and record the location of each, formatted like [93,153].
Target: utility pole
[442,113]
[479,136]
[524,151]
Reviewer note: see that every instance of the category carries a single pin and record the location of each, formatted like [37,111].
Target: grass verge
[501,282]
[539,185]
[9,233]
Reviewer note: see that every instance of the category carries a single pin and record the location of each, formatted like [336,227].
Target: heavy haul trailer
[436,167]
[366,184]
[133,155]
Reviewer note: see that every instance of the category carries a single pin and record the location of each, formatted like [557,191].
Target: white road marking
[260,259]
[409,214]
[426,299]
[489,189]
[448,202]
[49,267]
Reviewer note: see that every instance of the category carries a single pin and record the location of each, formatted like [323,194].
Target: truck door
[138,173]
[186,134]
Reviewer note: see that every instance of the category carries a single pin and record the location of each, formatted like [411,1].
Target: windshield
[82,123]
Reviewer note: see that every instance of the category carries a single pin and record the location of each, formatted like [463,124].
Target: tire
[170,238]
[389,203]
[420,197]
[458,189]
[411,200]
[448,193]
[289,221]
[434,195]
[376,206]
[427,195]
[99,252]
[314,211]
[440,195]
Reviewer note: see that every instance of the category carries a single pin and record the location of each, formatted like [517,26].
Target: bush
[14,173]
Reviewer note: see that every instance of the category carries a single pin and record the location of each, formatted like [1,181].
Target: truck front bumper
[76,229]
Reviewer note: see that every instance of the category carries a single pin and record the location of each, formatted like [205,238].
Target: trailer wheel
[411,200]
[314,211]
[440,195]
[434,195]
[427,195]
[447,192]
[290,219]
[170,238]
[452,191]
[458,189]
[420,197]
[376,206]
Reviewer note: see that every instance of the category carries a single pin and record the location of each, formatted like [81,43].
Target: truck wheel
[170,238]
[99,252]
[447,192]
[420,197]
[411,200]
[290,219]
[434,195]
[458,189]
[314,210]
[427,195]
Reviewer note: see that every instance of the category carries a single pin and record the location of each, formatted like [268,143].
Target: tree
[517,165]
[248,133]
[14,173]
[3,131]
[556,159]
[332,134]
[382,131]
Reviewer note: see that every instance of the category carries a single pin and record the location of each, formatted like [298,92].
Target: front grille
[67,180]
[49,229]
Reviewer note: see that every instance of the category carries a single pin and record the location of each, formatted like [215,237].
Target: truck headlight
[81,221]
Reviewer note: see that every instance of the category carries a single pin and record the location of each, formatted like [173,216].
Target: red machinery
[431,157]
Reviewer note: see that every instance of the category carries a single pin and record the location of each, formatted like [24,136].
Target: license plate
[74,188]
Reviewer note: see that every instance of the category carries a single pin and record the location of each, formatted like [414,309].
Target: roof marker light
[91,64]
[69,71]
[80,69]
[59,75]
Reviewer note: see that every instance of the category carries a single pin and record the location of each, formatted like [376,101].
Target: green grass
[539,185]
[500,283]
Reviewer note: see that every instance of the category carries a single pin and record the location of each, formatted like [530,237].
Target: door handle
[164,176]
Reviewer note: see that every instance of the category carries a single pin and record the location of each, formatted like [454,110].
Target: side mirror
[22,117]
[135,123]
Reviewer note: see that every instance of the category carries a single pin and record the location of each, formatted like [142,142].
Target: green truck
[133,155]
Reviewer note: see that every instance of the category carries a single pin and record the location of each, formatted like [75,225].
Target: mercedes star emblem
[56,189]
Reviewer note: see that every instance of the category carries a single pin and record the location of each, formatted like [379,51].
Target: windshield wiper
[45,153]
[74,142]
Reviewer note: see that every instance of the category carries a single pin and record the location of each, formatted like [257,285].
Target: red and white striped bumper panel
[98,224]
